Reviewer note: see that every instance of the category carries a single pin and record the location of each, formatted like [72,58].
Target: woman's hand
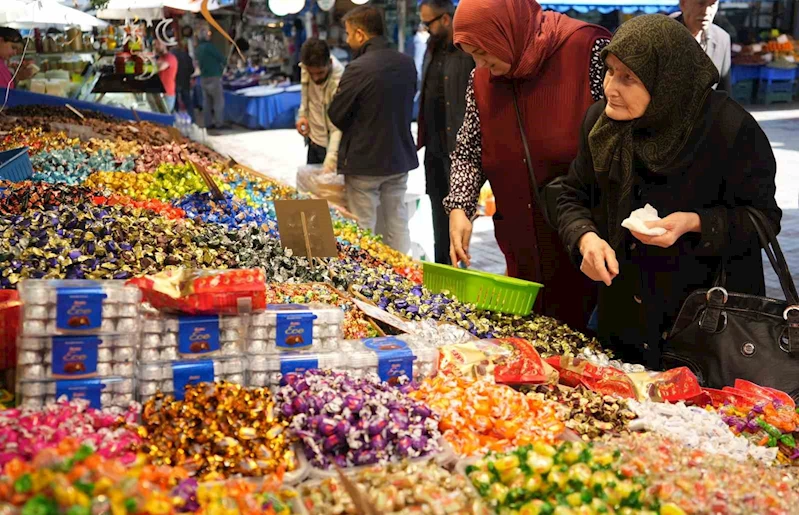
[460,234]
[676,224]
[599,259]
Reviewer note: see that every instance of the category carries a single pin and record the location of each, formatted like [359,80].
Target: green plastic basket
[486,291]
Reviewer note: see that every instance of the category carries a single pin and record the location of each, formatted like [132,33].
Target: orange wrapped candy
[477,416]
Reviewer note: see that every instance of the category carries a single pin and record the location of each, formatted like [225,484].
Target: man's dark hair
[440,6]
[366,18]
[315,53]
[10,35]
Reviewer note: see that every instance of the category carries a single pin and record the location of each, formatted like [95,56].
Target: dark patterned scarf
[679,77]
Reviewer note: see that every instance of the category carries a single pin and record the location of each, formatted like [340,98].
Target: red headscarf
[515,31]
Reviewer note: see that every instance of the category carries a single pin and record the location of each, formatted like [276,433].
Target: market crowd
[576,130]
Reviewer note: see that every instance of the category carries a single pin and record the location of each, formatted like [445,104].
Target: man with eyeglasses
[445,76]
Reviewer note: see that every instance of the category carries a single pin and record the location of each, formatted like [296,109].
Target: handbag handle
[527,160]
[768,240]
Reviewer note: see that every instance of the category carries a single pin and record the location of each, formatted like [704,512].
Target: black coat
[458,66]
[720,170]
[373,107]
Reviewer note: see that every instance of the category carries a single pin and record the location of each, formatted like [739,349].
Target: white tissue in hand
[636,221]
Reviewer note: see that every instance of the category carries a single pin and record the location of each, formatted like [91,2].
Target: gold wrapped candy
[217,431]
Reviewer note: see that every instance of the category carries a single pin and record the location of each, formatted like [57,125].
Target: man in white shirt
[321,74]
[698,16]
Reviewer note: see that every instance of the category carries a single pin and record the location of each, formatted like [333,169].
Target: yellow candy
[671,509]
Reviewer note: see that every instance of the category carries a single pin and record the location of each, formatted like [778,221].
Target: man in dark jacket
[185,71]
[445,77]
[373,108]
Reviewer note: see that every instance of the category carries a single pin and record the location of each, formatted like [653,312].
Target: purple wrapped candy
[327,426]
[371,423]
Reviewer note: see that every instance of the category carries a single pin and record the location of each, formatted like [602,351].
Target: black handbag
[545,197]
[723,336]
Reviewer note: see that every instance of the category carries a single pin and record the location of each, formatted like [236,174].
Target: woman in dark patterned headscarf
[664,137]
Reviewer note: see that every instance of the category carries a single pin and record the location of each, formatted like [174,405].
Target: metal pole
[402,19]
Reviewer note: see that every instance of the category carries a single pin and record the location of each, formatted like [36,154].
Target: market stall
[174,355]
[260,107]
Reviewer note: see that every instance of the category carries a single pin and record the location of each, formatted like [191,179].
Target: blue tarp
[275,109]
[19,98]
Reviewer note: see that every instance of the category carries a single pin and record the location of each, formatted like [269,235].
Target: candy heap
[26,432]
[402,488]
[348,422]
[589,414]
[544,479]
[478,415]
[216,431]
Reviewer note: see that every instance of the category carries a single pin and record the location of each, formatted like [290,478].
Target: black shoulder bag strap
[528,161]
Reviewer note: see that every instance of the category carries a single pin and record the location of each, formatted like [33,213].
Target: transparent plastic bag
[329,186]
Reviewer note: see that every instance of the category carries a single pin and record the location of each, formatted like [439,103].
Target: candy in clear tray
[268,370]
[293,327]
[168,338]
[390,357]
[172,377]
[106,392]
[78,306]
[81,356]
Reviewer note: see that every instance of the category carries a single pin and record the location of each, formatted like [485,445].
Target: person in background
[551,63]
[10,45]
[420,39]
[183,80]
[445,77]
[167,72]
[698,16]
[664,137]
[373,108]
[299,40]
[321,74]
[212,65]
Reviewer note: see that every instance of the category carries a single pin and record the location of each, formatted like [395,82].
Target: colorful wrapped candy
[351,422]
[402,488]
[571,478]
[25,432]
[477,415]
[217,431]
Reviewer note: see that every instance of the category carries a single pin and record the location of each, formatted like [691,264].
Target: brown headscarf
[515,31]
[679,77]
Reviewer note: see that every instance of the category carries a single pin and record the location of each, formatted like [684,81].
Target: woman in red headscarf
[553,63]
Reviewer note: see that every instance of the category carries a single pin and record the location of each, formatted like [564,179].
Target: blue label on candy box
[75,356]
[296,363]
[394,358]
[198,334]
[191,372]
[89,389]
[79,309]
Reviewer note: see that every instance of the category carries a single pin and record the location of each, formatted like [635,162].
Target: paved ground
[280,153]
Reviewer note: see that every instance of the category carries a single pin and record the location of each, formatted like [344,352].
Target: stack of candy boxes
[97,340]
[78,339]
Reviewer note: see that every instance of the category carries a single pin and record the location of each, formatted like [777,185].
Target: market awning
[25,14]
[150,9]
[626,6]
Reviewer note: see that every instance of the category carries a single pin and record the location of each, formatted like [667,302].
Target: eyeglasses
[428,23]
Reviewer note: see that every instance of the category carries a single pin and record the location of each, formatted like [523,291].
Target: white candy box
[294,327]
[76,356]
[172,377]
[106,392]
[167,338]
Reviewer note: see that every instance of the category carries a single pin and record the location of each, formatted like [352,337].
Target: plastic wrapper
[100,392]
[72,357]
[329,186]
[605,380]
[170,337]
[78,307]
[522,364]
[679,384]
[293,327]
[196,292]
[173,377]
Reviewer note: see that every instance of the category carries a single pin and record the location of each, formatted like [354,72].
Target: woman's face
[482,59]
[627,96]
